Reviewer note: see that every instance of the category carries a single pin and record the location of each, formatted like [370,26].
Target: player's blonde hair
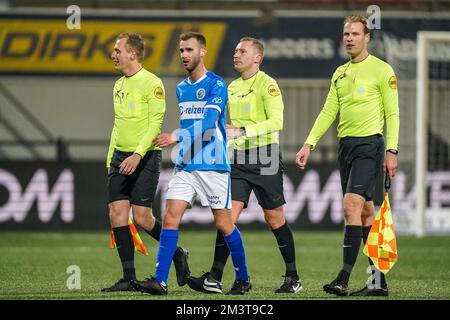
[134,42]
[357,18]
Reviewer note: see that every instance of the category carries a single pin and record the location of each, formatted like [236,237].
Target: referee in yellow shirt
[256,113]
[133,160]
[364,94]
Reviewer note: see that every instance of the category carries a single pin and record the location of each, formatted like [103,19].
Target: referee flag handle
[387,182]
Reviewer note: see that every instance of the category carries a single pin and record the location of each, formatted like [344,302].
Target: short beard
[194,65]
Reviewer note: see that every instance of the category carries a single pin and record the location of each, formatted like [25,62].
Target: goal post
[426,54]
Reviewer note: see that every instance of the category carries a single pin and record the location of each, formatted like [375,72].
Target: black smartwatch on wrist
[393,151]
[242,131]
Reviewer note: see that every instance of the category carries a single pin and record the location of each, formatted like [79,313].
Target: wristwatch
[242,131]
[393,151]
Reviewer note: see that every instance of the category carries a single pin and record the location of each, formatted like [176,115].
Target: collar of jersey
[199,80]
[365,59]
[252,78]
[135,74]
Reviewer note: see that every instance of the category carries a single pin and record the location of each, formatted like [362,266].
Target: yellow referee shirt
[256,104]
[364,94]
[139,107]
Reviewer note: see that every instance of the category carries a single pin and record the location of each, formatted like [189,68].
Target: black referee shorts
[140,187]
[247,176]
[360,162]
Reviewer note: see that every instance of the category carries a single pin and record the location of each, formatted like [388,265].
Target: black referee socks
[286,245]
[352,242]
[155,233]
[125,247]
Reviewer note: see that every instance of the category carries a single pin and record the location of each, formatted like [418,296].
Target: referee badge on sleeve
[393,82]
[159,93]
[273,90]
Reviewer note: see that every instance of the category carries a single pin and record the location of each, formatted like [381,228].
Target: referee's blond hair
[256,43]
[134,42]
[357,18]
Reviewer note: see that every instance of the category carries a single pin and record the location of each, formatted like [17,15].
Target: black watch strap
[242,131]
[393,151]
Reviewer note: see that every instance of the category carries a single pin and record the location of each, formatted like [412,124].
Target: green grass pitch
[33,265]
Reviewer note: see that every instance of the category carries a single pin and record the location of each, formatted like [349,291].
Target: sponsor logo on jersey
[217,100]
[192,110]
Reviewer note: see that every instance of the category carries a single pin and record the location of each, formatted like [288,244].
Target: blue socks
[237,251]
[167,247]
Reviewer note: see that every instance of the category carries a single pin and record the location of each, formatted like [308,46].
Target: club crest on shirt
[393,82]
[273,90]
[159,93]
[201,93]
